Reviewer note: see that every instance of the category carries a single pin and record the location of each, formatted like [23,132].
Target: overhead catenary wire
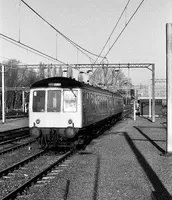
[33,50]
[124,28]
[22,45]
[79,49]
[68,39]
[113,30]
[126,24]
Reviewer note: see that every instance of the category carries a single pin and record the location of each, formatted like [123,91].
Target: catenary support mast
[169,85]
[153,92]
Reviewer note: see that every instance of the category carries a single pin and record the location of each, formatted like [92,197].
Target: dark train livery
[63,111]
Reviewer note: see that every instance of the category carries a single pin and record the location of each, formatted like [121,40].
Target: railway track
[13,135]
[6,148]
[14,139]
[6,171]
[16,180]
[19,177]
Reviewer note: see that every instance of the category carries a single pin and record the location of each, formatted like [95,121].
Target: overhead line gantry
[149,66]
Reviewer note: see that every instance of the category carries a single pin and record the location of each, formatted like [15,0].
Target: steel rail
[13,140]
[20,164]
[17,130]
[33,180]
[7,150]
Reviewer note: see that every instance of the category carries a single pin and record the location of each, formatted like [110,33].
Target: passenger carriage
[61,107]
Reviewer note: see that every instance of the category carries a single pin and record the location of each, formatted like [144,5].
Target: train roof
[59,82]
[64,82]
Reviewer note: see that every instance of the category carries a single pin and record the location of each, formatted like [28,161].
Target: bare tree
[60,72]
[16,76]
[70,72]
[109,78]
[42,70]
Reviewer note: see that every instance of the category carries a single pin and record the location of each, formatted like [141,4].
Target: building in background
[145,98]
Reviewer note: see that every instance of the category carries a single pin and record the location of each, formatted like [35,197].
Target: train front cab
[55,112]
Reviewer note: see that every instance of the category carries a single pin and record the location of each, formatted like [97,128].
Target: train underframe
[55,137]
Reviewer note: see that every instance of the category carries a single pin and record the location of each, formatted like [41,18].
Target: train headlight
[70,132]
[38,121]
[34,132]
[70,121]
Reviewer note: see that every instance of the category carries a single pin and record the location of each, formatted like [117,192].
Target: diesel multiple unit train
[63,112]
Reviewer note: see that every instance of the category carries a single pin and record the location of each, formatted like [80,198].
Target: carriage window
[39,101]
[70,101]
[54,101]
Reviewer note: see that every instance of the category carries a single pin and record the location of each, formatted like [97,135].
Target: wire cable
[124,27]
[68,39]
[113,30]
[22,45]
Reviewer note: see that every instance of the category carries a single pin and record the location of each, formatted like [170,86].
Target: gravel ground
[126,163]
[12,144]
[23,174]
[17,155]
[4,146]
[79,170]
[131,163]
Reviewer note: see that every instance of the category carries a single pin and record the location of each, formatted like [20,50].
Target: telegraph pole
[169,85]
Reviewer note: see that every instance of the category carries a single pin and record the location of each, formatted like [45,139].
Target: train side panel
[99,105]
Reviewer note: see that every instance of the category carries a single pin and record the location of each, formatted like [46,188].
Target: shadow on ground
[151,141]
[160,192]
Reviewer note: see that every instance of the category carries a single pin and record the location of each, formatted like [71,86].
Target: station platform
[11,124]
[132,162]
[127,162]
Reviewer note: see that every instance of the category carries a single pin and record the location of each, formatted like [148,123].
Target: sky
[89,24]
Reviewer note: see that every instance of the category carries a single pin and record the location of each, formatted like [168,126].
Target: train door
[84,101]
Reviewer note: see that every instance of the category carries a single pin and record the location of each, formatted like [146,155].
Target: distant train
[63,111]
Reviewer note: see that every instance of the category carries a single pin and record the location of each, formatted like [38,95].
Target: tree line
[17,76]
